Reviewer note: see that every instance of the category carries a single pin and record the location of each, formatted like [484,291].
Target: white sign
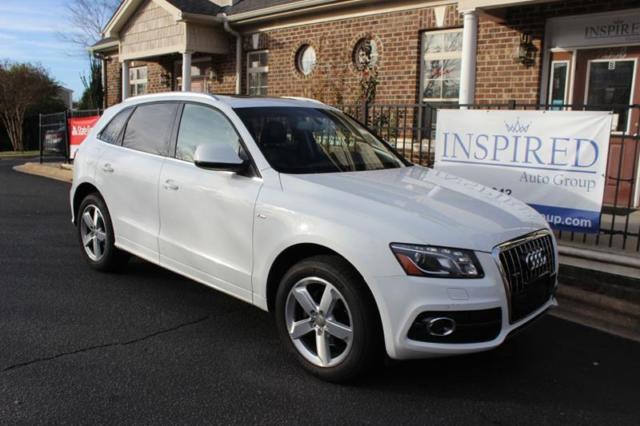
[554,161]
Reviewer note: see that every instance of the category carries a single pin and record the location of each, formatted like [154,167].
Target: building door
[559,80]
[607,79]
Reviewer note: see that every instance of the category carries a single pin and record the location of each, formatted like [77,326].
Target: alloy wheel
[319,321]
[93,232]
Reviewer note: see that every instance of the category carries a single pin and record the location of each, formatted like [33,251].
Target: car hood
[431,206]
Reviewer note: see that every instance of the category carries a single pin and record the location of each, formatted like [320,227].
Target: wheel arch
[79,194]
[298,252]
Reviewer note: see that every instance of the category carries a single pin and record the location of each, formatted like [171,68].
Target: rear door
[129,176]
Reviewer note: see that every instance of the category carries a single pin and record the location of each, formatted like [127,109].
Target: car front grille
[528,269]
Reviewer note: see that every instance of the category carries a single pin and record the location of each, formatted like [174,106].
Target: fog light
[440,326]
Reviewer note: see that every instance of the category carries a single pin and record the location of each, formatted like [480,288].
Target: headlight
[438,262]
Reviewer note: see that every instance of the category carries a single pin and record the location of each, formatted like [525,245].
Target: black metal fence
[411,128]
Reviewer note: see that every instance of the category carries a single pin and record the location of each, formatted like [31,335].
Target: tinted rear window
[149,128]
[113,131]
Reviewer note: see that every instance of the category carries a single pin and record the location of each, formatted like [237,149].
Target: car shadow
[554,363]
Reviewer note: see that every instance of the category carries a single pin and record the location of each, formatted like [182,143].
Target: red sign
[79,128]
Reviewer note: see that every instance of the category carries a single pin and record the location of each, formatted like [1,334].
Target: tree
[93,95]
[87,18]
[22,85]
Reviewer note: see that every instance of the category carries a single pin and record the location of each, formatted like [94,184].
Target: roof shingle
[241,6]
[200,7]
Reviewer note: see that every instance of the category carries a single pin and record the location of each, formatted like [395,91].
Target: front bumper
[401,299]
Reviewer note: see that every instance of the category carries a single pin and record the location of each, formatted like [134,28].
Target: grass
[11,154]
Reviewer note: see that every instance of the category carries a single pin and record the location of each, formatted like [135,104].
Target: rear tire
[326,316]
[95,233]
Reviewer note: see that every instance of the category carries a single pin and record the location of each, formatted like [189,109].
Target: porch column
[186,72]
[125,80]
[468,62]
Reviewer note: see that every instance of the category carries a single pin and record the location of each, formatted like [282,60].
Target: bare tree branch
[86,19]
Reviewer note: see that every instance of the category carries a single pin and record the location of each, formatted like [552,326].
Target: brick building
[489,51]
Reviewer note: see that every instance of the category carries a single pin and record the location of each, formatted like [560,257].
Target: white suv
[294,207]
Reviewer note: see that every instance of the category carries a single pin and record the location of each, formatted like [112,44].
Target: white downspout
[225,22]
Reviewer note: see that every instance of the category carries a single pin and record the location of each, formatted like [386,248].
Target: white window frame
[437,57]
[567,79]
[633,87]
[133,82]
[256,70]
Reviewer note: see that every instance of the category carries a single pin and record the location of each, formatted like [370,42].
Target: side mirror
[219,157]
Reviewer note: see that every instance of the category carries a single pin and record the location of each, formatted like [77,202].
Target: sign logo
[517,126]
[80,130]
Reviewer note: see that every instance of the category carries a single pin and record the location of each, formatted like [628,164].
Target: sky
[32,31]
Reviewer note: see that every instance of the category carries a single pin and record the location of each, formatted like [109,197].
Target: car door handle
[107,168]
[170,185]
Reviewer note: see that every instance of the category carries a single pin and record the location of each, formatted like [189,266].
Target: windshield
[310,140]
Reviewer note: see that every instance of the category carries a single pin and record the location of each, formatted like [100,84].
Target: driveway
[148,346]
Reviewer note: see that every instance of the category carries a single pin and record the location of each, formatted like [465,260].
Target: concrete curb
[48,170]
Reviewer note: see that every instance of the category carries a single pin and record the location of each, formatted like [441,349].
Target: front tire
[326,316]
[95,233]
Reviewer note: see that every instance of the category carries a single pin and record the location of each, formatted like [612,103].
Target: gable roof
[239,9]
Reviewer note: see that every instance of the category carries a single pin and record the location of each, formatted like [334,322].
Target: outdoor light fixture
[165,78]
[526,53]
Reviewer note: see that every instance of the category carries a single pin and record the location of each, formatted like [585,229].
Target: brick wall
[500,77]
[113,86]
[155,70]
[397,35]
[225,68]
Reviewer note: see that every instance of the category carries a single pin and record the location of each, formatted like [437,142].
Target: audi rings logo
[536,259]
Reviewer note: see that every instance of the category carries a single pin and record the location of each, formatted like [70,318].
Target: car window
[149,128]
[203,125]
[316,140]
[112,131]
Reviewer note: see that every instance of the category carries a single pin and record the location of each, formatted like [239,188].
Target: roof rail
[159,95]
[302,98]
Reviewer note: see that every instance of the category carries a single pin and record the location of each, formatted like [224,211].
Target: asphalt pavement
[146,346]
